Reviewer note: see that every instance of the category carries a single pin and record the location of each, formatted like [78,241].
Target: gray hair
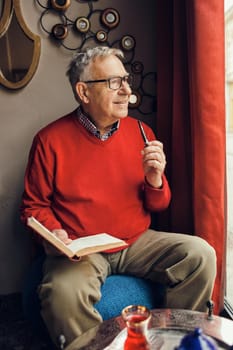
[78,68]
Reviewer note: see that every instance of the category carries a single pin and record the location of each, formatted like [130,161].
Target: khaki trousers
[185,264]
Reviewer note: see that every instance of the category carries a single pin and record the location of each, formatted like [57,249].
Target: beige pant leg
[68,292]
[185,264]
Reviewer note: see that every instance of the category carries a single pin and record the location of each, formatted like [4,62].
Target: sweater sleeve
[38,185]
[157,199]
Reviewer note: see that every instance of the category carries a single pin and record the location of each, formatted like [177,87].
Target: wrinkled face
[104,105]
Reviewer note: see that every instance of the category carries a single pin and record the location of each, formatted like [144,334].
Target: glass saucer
[160,339]
[155,340]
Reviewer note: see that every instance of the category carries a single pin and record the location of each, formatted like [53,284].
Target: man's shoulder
[58,125]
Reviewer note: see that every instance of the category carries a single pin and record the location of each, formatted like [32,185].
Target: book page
[99,239]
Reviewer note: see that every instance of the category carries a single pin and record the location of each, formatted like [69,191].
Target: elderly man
[89,172]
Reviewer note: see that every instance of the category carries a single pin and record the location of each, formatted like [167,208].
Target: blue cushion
[117,292]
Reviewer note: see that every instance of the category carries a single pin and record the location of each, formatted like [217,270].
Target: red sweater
[86,186]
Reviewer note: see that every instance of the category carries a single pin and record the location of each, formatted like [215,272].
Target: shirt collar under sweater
[87,123]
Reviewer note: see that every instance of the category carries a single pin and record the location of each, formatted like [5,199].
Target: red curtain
[191,120]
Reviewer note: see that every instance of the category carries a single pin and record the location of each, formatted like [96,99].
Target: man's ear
[82,92]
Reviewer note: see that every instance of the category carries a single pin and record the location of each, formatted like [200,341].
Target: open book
[80,246]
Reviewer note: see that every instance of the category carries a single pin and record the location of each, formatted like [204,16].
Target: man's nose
[126,88]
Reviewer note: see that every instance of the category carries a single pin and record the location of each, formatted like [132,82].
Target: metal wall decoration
[83,34]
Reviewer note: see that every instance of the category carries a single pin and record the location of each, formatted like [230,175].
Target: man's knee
[192,258]
[68,296]
[202,249]
[202,256]
[57,295]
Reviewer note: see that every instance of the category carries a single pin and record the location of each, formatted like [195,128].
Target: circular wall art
[102,36]
[59,31]
[60,5]
[110,18]
[134,100]
[128,42]
[137,67]
[82,24]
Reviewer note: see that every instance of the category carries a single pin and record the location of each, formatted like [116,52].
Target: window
[229,150]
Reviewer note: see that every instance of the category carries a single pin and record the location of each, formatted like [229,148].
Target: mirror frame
[8,7]
[6,16]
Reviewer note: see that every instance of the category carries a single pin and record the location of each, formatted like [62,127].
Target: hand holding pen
[154,160]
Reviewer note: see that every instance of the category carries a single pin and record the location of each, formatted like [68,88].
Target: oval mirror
[19,47]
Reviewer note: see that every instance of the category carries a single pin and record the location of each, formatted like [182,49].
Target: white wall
[47,97]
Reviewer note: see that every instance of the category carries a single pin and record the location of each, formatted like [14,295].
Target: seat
[118,291]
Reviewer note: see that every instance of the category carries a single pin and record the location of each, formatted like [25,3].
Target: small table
[170,324]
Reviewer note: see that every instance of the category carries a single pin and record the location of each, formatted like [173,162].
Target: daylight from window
[229,144]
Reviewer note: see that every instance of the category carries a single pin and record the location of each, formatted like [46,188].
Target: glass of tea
[137,318]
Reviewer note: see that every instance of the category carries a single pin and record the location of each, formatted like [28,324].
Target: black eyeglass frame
[126,78]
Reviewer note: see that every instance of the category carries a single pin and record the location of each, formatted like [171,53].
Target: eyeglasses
[114,83]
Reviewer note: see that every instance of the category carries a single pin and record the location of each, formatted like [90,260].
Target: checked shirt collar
[87,123]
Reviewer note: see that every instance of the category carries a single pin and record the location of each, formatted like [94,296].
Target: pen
[146,142]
